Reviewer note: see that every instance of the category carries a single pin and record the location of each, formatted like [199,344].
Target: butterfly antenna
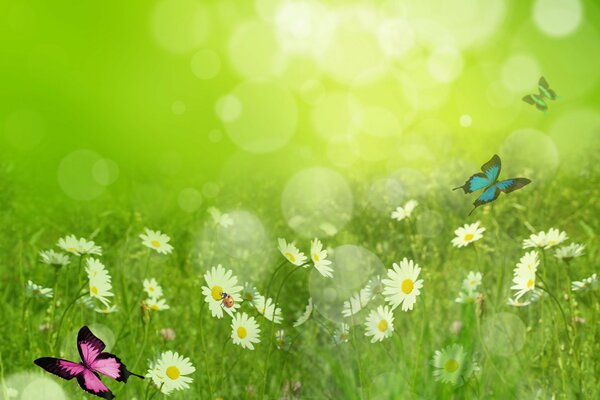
[472,211]
[459,187]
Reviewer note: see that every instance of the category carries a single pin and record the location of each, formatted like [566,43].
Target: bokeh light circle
[574,154]
[178,107]
[529,153]
[504,334]
[521,72]
[317,202]
[244,238]
[395,37]
[385,194]
[445,64]
[205,64]
[334,115]
[105,171]
[343,152]
[353,267]
[429,223]
[465,120]
[557,17]
[24,129]
[180,25]
[253,49]
[32,386]
[189,199]
[211,189]
[311,91]
[267,117]
[76,175]
[228,108]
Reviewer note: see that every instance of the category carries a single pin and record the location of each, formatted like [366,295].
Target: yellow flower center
[94,290]
[71,249]
[551,242]
[154,307]
[155,243]
[382,325]
[530,283]
[216,293]
[173,372]
[242,332]
[151,289]
[290,257]
[451,365]
[315,257]
[468,237]
[407,286]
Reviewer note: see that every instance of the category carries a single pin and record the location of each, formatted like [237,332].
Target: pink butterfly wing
[89,346]
[59,367]
[111,366]
[91,383]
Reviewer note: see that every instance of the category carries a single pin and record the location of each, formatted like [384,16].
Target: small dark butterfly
[94,362]
[539,100]
[489,180]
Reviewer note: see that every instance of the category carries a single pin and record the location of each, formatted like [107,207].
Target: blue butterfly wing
[510,185]
[491,170]
[490,194]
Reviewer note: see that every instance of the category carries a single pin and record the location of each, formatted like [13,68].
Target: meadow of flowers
[501,306]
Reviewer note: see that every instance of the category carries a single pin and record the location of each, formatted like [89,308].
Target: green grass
[549,363]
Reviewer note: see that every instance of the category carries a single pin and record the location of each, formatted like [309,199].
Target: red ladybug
[227,300]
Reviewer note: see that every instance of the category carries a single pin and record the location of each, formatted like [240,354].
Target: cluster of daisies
[400,288]
[154,302]
[222,284]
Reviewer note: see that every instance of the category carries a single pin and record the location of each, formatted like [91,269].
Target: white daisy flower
[567,253]
[554,237]
[341,334]
[95,268]
[51,257]
[472,281]
[528,264]
[266,307]
[106,309]
[220,281]
[403,287]
[357,302]
[404,212]
[34,290]
[156,240]
[78,247]
[380,324]
[376,286]
[155,304]
[152,288]
[306,315]
[467,234]
[319,258]
[170,372]
[523,283]
[223,220]
[99,281]
[545,240]
[452,366]
[244,331]
[291,252]
[586,284]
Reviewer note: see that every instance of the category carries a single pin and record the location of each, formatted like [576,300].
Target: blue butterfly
[489,180]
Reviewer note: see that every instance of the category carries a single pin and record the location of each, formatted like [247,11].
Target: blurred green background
[207,95]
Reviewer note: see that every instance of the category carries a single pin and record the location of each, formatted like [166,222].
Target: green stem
[358,355]
[203,344]
[545,289]
[144,341]
[62,317]
[281,265]
[268,356]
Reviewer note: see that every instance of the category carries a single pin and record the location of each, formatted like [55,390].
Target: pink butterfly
[94,361]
